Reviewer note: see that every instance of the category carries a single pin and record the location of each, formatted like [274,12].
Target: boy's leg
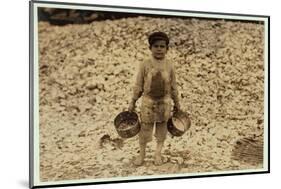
[158,157]
[145,136]
[160,134]
[140,159]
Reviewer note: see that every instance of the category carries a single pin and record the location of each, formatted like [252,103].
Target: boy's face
[159,49]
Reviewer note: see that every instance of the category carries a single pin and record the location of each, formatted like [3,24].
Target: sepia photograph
[127,94]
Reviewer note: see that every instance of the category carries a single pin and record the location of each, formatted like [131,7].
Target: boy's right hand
[176,108]
[132,107]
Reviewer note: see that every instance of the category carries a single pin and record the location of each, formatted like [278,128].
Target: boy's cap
[158,36]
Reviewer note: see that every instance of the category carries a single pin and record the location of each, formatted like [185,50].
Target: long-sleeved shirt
[156,82]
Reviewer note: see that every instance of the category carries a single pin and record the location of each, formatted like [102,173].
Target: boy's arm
[174,90]
[138,88]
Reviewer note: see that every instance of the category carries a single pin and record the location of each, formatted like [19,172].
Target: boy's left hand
[176,109]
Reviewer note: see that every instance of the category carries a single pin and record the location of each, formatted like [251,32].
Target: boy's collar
[158,60]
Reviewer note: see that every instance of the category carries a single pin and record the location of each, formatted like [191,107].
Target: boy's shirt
[156,81]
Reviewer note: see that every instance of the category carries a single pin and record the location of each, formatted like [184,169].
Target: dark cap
[158,36]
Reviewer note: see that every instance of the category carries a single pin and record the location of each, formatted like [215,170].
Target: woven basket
[127,124]
[179,123]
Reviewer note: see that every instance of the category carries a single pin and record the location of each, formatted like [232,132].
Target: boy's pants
[145,134]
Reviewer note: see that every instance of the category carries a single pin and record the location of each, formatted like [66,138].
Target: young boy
[156,83]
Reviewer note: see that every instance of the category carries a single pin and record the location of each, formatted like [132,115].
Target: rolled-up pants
[145,134]
[154,113]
